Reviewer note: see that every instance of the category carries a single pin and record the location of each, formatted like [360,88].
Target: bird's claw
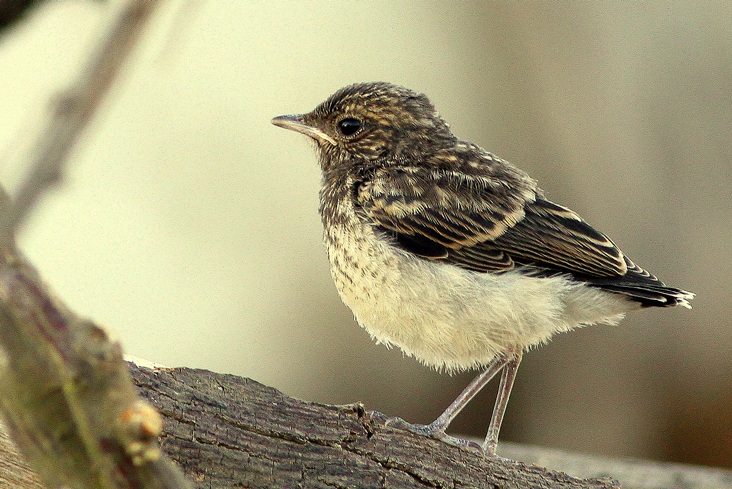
[431,431]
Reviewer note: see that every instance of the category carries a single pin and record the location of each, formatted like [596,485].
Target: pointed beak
[297,123]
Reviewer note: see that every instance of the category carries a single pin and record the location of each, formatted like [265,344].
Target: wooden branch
[226,431]
[65,392]
[73,109]
[632,474]
[14,470]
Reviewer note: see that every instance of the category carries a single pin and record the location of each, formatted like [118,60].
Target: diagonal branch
[73,110]
[65,391]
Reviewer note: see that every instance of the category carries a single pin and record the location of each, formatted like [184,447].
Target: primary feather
[473,221]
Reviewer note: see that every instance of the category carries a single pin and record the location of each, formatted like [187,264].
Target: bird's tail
[644,288]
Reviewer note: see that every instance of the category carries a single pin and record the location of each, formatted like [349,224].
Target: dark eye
[349,126]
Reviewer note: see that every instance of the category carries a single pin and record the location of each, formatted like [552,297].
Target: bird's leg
[504,391]
[437,428]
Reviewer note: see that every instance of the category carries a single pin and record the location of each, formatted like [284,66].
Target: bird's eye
[349,126]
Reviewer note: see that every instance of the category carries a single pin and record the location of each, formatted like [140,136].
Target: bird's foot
[436,432]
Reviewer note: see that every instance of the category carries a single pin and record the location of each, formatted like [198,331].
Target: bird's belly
[443,315]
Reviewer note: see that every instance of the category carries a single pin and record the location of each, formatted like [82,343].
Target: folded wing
[482,224]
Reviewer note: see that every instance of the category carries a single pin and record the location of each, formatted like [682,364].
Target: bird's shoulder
[464,188]
[471,209]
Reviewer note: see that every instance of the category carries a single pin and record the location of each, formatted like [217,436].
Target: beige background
[188,224]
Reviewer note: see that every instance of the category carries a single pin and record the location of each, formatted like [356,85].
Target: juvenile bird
[451,253]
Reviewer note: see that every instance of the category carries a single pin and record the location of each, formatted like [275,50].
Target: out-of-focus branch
[11,11]
[65,392]
[73,109]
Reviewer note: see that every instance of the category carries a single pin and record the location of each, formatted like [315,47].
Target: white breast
[452,318]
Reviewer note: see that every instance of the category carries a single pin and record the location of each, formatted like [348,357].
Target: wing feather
[484,225]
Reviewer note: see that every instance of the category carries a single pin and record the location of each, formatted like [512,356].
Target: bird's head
[371,122]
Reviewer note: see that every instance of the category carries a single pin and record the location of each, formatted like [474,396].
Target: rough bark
[226,431]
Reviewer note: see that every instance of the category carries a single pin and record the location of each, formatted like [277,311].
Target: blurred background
[188,225]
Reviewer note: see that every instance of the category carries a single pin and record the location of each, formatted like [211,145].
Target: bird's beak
[296,123]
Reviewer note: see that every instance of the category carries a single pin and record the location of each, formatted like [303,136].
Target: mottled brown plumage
[451,253]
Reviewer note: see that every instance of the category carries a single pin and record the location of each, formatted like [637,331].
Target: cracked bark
[226,431]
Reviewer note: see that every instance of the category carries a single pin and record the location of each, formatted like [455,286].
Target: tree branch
[73,109]
[67,397]
[231,432]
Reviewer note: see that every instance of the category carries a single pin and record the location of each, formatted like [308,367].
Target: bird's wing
[482,223]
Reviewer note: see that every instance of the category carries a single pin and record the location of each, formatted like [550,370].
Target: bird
[451,253]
